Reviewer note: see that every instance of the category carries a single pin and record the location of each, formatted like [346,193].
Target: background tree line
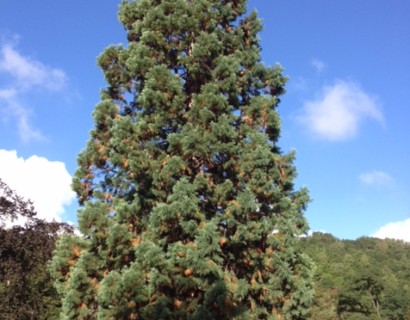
[367,278]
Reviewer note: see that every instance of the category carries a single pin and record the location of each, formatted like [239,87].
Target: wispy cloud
[46,183]
[27,72]
[318,65]
[21,75]
[338,111]
[7,94]
[376,178]
[395,230]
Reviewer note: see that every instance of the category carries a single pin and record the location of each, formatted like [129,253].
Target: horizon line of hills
[366,278]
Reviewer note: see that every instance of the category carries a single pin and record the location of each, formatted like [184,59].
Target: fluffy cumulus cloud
[395,230]
[46,183]
[376,178]
[338,111]
[21,75]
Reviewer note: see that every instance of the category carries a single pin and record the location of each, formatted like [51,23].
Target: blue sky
[346,109]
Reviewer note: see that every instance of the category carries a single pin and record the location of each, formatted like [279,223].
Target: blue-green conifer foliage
[188,204]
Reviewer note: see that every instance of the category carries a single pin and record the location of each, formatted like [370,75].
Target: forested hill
[366,278]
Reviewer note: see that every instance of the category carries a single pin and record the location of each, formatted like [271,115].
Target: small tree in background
[26,288]
[189,210]
[12,206]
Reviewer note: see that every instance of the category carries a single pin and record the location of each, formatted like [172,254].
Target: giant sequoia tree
[189,210]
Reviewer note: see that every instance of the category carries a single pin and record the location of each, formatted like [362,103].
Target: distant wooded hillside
[366,278]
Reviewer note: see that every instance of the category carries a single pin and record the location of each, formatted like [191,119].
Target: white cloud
[27,72]
[22,75]
[337,113]
[11,107]
[376,178]
[318,65]
[395,230]
[7,94]
[26,131]
[46,183]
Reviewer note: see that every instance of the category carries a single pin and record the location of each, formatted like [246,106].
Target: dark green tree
[362,296]
[13,206]
[189,209]
[26,288]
